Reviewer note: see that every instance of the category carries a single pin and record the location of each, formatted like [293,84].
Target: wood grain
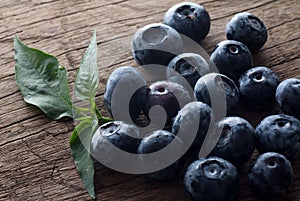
[35,161]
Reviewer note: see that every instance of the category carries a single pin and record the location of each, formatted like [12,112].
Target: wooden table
[35,161]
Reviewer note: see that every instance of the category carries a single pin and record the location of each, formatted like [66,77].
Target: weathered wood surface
[35,161]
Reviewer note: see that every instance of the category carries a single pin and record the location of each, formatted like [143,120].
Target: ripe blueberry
[257,87]
[271,175]
[248,29]
[236,143]
[169,95]
[218,85]
[288,96]
[114,134]
[156,44]
[156,141]
[211,179]
[188,66]
[279,133]
[189,19]
[122,82]
[231,58]
[193,120]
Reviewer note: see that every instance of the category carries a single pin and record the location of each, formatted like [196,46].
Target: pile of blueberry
[215,177]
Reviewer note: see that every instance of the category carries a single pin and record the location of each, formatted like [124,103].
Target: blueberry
[118,133]
[189,19]
[188,66]
[156,141]
[236,143]
[257,87]
[156,44]
[211,179]
[194,118]
[231,58]
[248,29]
[271,175]
[122,82]
[218,85]
[169,95]
[288,96]
[279,133]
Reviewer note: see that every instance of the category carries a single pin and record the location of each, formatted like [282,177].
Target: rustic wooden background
[35,161]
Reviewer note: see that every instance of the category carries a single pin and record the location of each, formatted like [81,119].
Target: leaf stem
[102,118]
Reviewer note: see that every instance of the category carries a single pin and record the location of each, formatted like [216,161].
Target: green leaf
[42,81]
[85,87]
[80,150]
[86,83]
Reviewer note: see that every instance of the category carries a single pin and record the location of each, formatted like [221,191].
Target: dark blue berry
[189,19]
[188,66]
[192,123]
[271,175]
[218,85]
[257,87]
[123,82]
[279,133]
[156,141]
[211,179]
[248,29]
[236,142]
[114,134]
[156,44]
[288,96]
[231,58]
[169,95]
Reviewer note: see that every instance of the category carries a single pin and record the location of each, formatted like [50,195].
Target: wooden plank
[35,161]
